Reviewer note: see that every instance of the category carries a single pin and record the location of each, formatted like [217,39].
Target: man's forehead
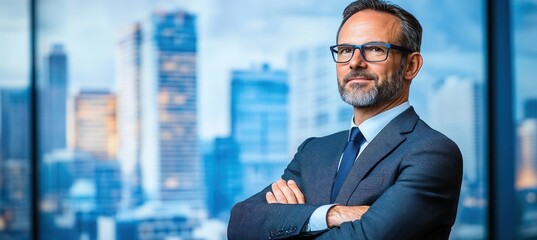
[371,24]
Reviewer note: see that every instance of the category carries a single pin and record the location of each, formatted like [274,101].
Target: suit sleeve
[254,218]
[423,199]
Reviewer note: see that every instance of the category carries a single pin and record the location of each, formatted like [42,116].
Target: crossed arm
[421,203]
[289,193]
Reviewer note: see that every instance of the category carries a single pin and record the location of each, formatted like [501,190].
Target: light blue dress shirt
[370,128]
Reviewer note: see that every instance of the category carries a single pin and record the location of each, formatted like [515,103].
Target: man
[391,176]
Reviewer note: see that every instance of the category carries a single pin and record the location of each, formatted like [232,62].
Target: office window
[524,29]
[144,136]
[449,94]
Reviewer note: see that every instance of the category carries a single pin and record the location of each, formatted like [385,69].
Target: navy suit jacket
[409,174]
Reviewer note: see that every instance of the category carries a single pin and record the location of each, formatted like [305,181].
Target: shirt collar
[371,127]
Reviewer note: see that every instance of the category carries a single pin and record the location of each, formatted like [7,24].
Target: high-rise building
[223,175]
[169,108]
[129,65]
[316,108]
[456,109]
[259,118]
[526,177]
[95,124]
[14,122]
[108,187]
[15,215]
[53,102]
[59,170]
[14,164]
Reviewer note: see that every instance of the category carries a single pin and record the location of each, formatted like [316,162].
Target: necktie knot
[356,135]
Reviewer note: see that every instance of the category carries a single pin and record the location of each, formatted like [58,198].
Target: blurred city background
[155,117]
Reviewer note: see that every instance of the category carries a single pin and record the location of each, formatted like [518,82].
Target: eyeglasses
[371,52]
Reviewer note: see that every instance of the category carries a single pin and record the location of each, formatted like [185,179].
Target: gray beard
[374,97]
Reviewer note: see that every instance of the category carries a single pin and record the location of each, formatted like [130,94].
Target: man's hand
[340,214]
[285,193]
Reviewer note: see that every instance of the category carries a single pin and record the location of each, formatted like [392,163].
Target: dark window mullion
[34,124]
[501,129]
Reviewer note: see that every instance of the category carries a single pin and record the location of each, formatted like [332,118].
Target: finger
[287,192]
[278,194]
[270,198]
[298,194]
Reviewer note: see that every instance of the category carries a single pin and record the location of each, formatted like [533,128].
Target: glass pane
[156,120]
[450,96]
[15,176]
[525,58]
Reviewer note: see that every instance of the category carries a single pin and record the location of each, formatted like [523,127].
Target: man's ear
[414,61]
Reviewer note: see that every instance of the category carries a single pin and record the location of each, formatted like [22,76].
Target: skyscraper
[455,109]
[169,106]
[14,122]
[95,124]
[96,134]
[223,177]
[526,171]
[53,102]
[316,108]
[129,111]
[14,164]
[526,177]
[259,118]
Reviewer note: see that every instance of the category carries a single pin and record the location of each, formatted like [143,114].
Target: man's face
[369,84]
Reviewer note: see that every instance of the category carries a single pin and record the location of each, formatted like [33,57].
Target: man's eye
[345,50]
[375,49]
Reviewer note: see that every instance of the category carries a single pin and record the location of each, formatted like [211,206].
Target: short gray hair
[411,27]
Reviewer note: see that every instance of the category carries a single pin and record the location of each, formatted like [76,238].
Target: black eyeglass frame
[354,47]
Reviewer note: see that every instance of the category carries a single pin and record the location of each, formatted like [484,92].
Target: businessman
[390,176]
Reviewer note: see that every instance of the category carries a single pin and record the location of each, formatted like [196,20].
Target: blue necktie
[349,156]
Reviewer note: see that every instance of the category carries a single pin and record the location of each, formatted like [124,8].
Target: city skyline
[216,30]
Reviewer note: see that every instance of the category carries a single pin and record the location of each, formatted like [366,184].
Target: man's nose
[357,60]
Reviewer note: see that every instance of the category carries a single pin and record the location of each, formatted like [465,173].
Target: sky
[14,49]
[238,34]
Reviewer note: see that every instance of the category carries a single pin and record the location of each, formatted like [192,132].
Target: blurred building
[526,175]
[14,164]
[259,118]
[223,176]
[129,112]
[108,187]
[316,108]
[171,164]
[14,119]
[53,101]
[456,109]
[95,130]
[76,189]
[15,209]
[152,221]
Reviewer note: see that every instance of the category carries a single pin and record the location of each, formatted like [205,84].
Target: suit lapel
[327,167]
[385,142]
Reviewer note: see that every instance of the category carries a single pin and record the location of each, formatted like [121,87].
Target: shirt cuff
[317,219]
